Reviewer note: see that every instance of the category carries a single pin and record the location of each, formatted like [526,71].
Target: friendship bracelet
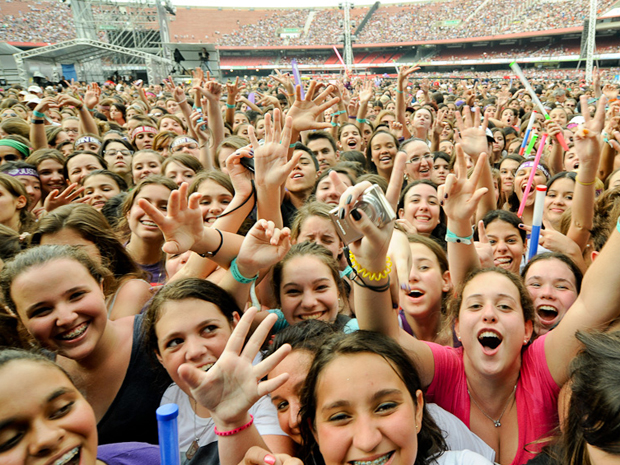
[370,275]
[234,269]
[38,114]
[228,105]
[214,253]
[451,237]
[585,183]
[357,280]
[236,430]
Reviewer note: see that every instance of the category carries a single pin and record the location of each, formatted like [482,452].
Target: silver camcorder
[374,204]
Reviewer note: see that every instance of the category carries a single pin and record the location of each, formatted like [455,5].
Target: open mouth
[489,340]
[70,458]
[297,176]
[74,333]
[547,314]
[503,262]
[378,461]
[352,143]
[415,293]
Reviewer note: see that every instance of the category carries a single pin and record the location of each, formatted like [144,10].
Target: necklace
[194,446]
[497,422]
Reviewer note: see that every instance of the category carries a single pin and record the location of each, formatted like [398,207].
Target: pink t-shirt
[536,396]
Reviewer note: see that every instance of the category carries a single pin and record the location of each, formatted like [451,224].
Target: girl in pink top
[504,390]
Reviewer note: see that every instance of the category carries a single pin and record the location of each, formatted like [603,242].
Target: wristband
[341,112]
[451,237]
[618,225]
[292,146]
[234,269]
[228,105]
[38,114]
[362,121]
[236,430]
[92,110]
[585,183]
[334,125]
[364,273]
[37,121]
[214,253]
[352,117]
[399,91]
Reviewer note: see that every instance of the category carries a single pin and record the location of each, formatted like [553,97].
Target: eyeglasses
[75,130]
[417,159]
[113,152]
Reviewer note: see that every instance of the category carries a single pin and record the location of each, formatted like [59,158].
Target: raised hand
[176,91]
[92,95]
[240,176]
[46,104]
[56,199]
[263,246]
[183,225]
[472,132]
[459,193]
[233,384]
[587,143]
[305,112]
[271,166]
[483,247]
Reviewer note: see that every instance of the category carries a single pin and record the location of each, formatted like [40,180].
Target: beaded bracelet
[585,183]
[451,237]
[38,114]
[364,273]
[236,430]
[228,105]
[234,269]
[214,253]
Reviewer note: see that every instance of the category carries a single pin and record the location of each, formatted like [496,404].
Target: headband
[22,148]
[182,140]
[22,172]
[141,129]
[87,139]
[530,164]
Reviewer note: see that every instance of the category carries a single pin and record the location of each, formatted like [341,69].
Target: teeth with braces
[380,461]
[67,457]
[76,332]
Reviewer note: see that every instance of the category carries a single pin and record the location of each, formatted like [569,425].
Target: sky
[275,3]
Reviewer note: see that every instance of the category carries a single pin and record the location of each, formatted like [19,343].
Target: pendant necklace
[497,422]
[194,446]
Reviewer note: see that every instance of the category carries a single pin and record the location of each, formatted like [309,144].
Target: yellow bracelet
[364,273]
[585,183]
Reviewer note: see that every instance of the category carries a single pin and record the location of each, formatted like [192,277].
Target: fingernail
[441,203]
[269,459]
[349,198]
[341,213]
[355,214]
[521,225]
[445,196]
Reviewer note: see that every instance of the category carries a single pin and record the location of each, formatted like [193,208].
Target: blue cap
[167,412]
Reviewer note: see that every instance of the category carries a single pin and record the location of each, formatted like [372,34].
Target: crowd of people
[419,21]
[355,276]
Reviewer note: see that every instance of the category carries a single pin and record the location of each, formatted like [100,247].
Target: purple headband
[22,172]
[530,164]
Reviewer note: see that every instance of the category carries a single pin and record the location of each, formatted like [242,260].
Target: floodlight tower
[590,45]
[348,48]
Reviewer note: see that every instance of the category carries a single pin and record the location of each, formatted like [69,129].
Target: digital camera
[376,207]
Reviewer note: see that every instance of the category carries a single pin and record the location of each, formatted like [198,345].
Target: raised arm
[233,385]
[403,74]
[88,125]
[594,309]
[588,149]
[38,138]
[272,167]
